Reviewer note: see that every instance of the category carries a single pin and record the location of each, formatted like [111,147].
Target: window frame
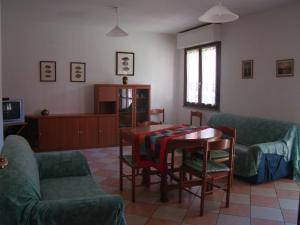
[200,105]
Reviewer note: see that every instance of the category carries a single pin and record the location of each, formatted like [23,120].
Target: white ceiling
[164,16]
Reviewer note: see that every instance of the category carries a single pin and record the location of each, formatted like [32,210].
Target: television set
[13,111]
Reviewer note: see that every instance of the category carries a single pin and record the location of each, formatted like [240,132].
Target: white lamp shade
[218,14]
[117,32]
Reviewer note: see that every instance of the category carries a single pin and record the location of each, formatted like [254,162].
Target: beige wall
[265,38]
[26,42]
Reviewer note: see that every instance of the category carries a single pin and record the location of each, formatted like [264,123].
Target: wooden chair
[207,171]
[223,155]
[136,170]
[158,112]
[196,114]
[155,112]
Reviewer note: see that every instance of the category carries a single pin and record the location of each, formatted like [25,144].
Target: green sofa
[265,149]
[52,189]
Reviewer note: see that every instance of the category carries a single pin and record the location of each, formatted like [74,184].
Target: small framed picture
[47,71]
[77,71]
[247,69]
[125,63]
[285,68]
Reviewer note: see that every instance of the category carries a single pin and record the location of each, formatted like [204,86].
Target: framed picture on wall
[125,63]
[77,71]
[247,69]
[285,68]
[47,71]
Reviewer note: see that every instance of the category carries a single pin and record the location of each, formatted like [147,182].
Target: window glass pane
[192,70]
[209,66]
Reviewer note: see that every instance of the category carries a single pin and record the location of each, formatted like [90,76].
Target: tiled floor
[273,203]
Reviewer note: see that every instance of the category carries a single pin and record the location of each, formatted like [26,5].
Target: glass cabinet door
[125,107]
[142,105]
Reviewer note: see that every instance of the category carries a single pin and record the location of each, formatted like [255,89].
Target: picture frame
[77,71]
[125,63]
[47,71]
[247,69]
[285,68]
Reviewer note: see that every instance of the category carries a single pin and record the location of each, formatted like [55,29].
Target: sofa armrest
[98,210]
[62,164]
[276,147]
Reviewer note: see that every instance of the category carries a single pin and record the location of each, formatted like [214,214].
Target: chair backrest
[218,145]
[196,114]
[227,131]
[158,112]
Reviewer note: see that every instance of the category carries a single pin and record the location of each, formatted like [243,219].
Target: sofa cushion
[19,182]
[69,187]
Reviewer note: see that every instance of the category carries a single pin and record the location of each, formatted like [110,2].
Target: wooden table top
[187,139]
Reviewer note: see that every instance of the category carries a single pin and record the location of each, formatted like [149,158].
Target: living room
[63,32]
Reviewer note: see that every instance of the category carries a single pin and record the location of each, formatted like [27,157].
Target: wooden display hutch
[129,103]
[116,106]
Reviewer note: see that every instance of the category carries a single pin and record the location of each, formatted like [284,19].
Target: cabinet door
[71,133]
[108,130]
[50,134]
[88,132]
[142,105]
[126,107]
[107,94]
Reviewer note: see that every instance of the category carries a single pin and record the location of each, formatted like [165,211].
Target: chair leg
[133,185]
[172,160]
[121,175]
[203,188]
[228,189]
[180,185]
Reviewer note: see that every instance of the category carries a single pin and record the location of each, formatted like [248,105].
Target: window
[202,76]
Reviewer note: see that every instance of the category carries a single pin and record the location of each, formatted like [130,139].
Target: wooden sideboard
[71,131]
[116,106]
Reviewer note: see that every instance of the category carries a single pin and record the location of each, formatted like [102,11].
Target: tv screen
[13,111]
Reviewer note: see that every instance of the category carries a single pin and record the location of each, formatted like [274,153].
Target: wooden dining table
[185,141]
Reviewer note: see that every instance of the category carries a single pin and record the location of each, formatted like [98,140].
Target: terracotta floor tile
[135,220]
[241,189]
[193,218]
[209,206]
[288,204]
[238,198]
[290,216]
[141,209]
[265,185]
[255,221]
[232,220]
[286,186]
[154,221]
[265,201]
[169,213]
[288,194]
[266,213]
[269,192]
[236,209]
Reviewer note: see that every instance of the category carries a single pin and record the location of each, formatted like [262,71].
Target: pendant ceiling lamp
[117,31]
[218,14]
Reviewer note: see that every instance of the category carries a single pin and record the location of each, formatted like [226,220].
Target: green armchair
[52,189]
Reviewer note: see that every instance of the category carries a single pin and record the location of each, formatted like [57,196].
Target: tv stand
[14,128]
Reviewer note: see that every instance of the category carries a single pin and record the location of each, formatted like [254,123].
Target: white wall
[265,38]
[26,42]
